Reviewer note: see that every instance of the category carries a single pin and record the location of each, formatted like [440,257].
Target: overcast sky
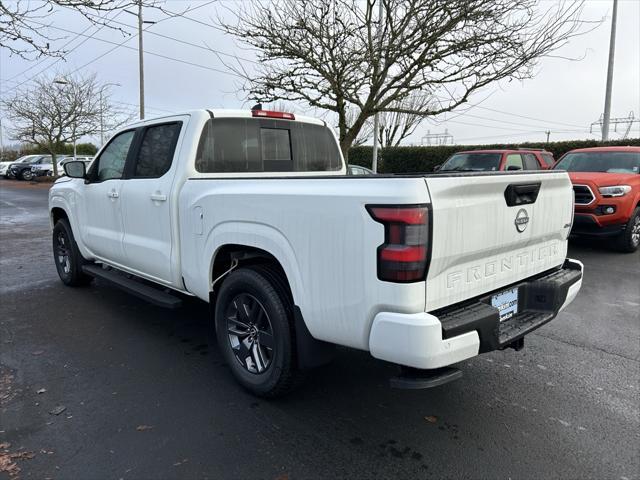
[564,97]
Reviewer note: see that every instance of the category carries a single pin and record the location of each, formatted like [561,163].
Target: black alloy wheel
[250,333]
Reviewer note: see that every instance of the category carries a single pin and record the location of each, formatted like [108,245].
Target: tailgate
[481,243]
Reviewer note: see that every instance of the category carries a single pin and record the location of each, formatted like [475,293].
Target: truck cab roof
[234,113]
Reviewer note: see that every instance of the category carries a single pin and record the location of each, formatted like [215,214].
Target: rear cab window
[244,145]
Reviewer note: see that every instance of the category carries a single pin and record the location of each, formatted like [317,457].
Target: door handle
[113,194]
[521,193]
[158,197]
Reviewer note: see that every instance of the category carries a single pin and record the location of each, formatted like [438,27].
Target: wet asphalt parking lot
[146,397]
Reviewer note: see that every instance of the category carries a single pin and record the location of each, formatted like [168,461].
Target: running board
[416,379]
[146,292]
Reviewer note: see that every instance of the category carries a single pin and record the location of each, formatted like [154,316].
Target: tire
[67,257]
[254,329]
[26,174]
[629,240]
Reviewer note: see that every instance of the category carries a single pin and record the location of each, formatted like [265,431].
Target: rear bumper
[447,336]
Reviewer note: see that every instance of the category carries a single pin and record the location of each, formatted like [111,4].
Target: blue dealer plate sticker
[506,302]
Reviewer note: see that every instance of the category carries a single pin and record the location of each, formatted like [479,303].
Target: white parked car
[252,212]
[47,168]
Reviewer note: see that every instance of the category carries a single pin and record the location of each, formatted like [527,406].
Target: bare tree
[52,112]
[21,22]
[365,133]
[337,55]
[395,125]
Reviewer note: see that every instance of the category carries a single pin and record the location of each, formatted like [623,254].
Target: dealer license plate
[506,302]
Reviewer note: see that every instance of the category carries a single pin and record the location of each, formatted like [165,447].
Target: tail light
[272,114]
[404,255]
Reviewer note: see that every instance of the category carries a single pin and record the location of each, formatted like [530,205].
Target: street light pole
[607,96]
[102,111]
[141,59]
[54,165]
[1,142]
[376,120]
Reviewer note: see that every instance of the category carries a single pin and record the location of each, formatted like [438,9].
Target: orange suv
[606,185]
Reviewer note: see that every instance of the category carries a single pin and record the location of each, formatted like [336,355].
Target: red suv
[606,184]
[494,160]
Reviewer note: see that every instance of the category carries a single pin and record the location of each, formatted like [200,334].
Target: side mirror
[75,169]
[513,167]
[437,167]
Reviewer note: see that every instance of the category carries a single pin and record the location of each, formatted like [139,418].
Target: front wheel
[26,175]
[68,258]
[253,320]
[629,240]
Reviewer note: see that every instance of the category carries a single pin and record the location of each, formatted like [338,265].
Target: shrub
[423,159]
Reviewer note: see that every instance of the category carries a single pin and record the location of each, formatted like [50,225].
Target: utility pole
[140,53]
[376,120]
[141,59]
[548,132]
[607,96]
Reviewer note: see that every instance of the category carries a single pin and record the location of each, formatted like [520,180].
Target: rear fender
[260,236]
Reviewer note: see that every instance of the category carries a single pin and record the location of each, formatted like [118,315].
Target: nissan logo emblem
[522,220]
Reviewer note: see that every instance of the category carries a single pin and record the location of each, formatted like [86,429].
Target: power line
[184,42]
[109,51]
[527,117]
[493,127]
[118,45]
[69,42]
[518,134]
[501,121]
[546,121]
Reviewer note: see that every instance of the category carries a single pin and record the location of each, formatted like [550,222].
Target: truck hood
[602,179]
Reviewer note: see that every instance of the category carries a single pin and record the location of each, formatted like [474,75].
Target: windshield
[609,162]
[473,162]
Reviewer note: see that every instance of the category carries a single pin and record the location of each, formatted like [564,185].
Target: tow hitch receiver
[517,345]
[416,379]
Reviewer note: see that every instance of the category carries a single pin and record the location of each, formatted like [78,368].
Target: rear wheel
[629,240]
[255,331]
[67,257]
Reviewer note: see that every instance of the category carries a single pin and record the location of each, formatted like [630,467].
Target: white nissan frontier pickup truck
[253,212]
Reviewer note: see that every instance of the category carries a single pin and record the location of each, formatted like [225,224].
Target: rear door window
[157,149]
[530,162]
[242,145]
[513,160]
